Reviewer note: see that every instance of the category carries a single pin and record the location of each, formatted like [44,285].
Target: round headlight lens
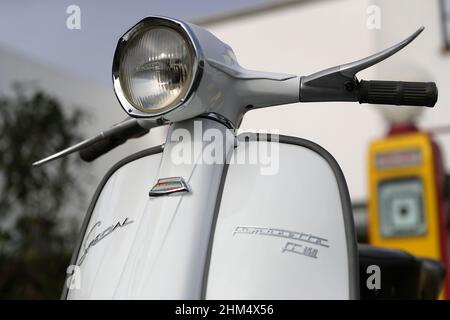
[155,69]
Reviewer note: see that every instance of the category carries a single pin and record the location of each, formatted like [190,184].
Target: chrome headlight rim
[197,67]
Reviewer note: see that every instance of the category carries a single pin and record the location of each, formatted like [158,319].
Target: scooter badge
[166,186]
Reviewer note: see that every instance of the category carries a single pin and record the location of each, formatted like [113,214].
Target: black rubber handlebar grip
[398,93]
[108,143]
[100,148]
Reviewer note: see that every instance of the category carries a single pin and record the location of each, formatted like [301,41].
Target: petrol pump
[407,205]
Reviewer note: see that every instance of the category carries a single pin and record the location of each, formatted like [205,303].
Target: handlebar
[337,83]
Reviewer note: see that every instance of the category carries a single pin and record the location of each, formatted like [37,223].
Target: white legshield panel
[282,230]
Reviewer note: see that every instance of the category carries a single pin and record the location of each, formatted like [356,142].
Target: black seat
[403,276]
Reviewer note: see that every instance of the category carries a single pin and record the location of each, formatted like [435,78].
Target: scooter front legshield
[256,228]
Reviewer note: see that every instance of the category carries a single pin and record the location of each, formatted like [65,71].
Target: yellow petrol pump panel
[403,204]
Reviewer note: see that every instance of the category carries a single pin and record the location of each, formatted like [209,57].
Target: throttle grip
[398,93]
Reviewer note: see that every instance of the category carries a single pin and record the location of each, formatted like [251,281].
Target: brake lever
[339,83]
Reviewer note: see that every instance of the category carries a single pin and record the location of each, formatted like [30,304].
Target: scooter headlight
[154,67]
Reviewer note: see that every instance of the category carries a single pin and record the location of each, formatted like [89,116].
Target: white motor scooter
[212,215]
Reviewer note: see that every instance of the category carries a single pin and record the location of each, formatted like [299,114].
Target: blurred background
[55,89]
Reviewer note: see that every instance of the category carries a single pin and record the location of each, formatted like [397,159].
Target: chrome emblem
[169,185]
